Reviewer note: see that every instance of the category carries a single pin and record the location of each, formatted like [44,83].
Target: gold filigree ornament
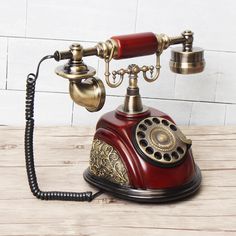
[106,163]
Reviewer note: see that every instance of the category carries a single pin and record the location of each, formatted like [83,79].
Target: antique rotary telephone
[138,153]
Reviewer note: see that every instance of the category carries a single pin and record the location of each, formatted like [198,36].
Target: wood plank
[76,148]
[70,179]
[67,229]
[108,214]
[62,155]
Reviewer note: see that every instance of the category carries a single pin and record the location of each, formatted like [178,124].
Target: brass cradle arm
[76,69]
[185,60]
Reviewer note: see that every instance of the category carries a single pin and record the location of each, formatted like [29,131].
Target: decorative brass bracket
[121,72]
[137,69]
[91,93]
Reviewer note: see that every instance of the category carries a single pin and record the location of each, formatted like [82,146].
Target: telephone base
[142,157]
[146,195]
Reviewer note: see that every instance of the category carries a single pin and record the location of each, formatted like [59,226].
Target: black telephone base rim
[149,195]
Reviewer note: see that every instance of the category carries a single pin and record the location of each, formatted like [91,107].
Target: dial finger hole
[180,150]
[141,134]
[143,127]
[157,155]
[173,127]
[165,122]
[156,120]
[175,155]
[143,143]
[148,122]
[167,157]
[149,150]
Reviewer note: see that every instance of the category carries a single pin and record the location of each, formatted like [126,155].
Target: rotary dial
[161,141]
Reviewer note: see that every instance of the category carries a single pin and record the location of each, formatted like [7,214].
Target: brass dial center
[162,138]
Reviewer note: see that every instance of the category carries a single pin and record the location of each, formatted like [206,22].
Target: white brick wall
[29,29]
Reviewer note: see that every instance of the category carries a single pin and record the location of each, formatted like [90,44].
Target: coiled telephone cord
[29,150]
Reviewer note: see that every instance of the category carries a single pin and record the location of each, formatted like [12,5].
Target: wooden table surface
[62,153]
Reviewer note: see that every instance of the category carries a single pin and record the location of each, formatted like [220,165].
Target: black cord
[29,150]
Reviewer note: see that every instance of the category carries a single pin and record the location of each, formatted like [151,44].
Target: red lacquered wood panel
[135,45]
[116,130]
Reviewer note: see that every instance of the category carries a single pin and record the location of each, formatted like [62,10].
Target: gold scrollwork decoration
[106,163]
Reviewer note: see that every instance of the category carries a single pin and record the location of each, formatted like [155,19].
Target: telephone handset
[138,153]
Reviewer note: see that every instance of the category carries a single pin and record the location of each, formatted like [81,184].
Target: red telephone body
[148,182]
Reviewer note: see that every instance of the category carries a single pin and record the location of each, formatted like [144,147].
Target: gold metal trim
[187,62]
[162,139]
[106,163]
[133,112]
[75,73]
[75,69]
[133,102]
[89,93]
